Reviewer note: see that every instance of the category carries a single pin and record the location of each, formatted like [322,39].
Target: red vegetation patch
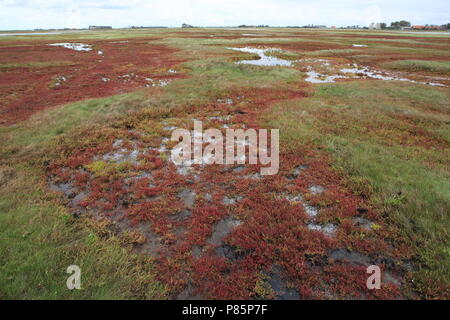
[77,75]
[224,232]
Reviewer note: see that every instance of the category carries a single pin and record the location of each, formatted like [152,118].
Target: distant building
[185,25]
[375,26]
[99,27]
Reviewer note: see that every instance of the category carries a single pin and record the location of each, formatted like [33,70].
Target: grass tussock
[35,65]
[285,55]
[331,53]
[418,66]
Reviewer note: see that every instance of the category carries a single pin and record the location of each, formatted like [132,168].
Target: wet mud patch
[350,257]
[329,71]
[222,229]
[279,285]
[187,197]
[70,192]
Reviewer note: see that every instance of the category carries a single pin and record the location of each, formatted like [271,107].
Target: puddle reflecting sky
[265,60]
[73,46]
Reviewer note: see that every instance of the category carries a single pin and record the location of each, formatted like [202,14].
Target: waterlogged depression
[351,71]
[74,46]
[265,60]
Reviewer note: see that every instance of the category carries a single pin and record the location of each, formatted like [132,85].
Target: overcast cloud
[46,14]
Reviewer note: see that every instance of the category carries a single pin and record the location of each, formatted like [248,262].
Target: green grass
[331,52]
[426,53]
[281,54]
[44,126]
[39,240]
[35,65]
[419,65]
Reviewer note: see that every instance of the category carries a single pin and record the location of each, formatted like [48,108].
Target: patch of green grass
[102,168]
[419,65]
[226,74]
[40,239]
[46,125]
[331,52]
[398,41]
[35,65]
[285,55]
[385,50]
[365,58]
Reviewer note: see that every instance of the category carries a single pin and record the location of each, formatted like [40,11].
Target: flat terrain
[86,176]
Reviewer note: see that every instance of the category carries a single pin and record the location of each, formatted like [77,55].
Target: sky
[48,14]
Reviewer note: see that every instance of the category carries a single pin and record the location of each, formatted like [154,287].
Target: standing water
[73,46]
[264,60]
